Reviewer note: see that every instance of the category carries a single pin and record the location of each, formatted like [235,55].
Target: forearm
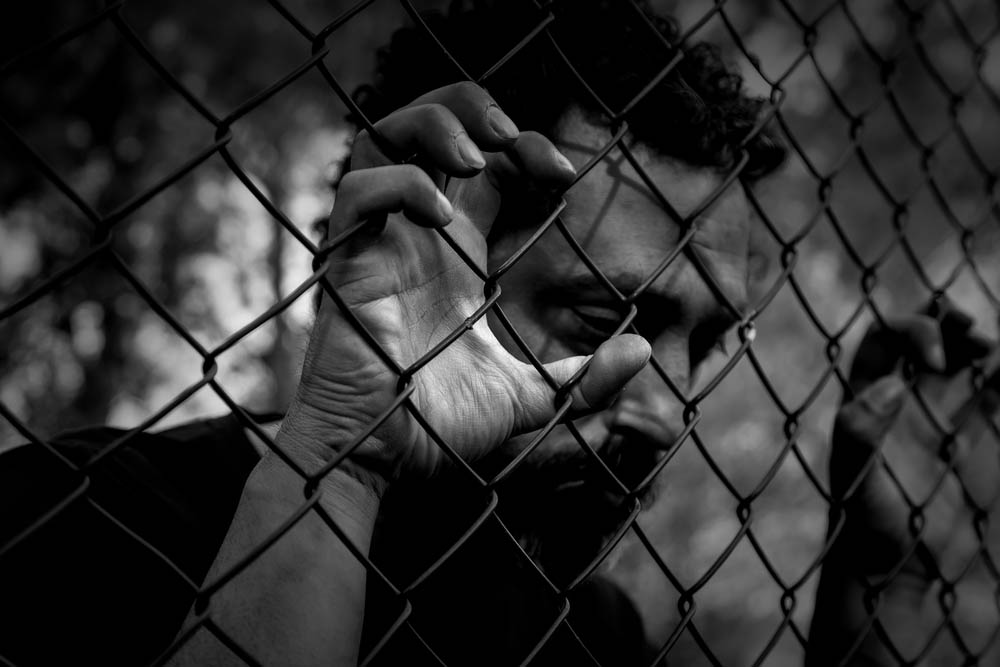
[301,602]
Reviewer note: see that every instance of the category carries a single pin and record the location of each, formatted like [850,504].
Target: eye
[602,320]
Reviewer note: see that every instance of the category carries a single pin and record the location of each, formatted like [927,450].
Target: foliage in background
[94,352]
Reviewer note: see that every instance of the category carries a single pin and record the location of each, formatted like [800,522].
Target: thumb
[612,365]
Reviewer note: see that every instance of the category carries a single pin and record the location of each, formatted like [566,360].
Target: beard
[562,508]
[567,510]
[470,565]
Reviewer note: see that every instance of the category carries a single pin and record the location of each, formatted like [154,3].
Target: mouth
[564,508]
[574,479]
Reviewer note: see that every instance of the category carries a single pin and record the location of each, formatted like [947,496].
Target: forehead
[622,224]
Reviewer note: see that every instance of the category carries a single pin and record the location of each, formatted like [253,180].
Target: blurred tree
[93,351]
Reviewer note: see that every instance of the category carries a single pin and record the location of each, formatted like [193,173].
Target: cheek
[732,273]
[728,260]
[533,323]
[534,319]
[672,351]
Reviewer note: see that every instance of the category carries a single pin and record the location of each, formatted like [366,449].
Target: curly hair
[698,113]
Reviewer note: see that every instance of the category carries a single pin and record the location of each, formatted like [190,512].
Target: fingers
[389,189]
[614,363]
[450,126]
[945,311]
[528,176]
[457,130]
[940,340]
[870,415]
[962,345]
[533,157]
[917,338]
[431,130]
[486,122]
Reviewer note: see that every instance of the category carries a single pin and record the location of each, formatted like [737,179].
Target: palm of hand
[411,290]
[419,299]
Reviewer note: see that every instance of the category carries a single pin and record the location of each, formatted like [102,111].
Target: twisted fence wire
[316,49]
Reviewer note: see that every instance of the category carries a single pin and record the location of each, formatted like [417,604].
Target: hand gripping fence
[786,621]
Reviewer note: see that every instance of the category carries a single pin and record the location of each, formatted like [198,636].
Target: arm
[878,602]
[302,601]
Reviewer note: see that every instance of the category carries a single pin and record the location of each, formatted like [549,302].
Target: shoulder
[106,534]
[122,467]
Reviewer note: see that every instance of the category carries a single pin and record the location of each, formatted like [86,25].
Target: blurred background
[93,351]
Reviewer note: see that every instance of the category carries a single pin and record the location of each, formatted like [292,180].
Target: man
[399,482]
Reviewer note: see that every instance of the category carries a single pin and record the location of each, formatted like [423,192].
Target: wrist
[313,441]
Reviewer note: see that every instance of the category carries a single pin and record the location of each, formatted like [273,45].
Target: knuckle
[469,90]
[361,141]
[348,192]
[870,415]
[533,137]
[350,184]
[857,426]
[849,419]
[415,180]
[439,115]
[411,174]
[362,150]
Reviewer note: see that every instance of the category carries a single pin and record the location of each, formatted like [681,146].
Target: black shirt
[81,589]
[110,575]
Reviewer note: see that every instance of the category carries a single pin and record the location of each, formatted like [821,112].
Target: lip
[571,484]
[628,453]
[644,431]
[629,457]
[577,475]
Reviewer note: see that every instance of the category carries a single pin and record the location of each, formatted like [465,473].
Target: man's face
[561,309]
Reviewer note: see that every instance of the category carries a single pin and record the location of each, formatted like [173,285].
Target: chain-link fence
[888,201]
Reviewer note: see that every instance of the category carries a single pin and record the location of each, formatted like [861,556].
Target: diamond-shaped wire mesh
[887,202]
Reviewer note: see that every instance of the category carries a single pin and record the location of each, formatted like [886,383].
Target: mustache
[621,464]
[565,508]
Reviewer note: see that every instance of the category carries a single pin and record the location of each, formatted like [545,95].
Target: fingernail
[565,163]
[886,393]
[469,152]
[444,207]
[501,123]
